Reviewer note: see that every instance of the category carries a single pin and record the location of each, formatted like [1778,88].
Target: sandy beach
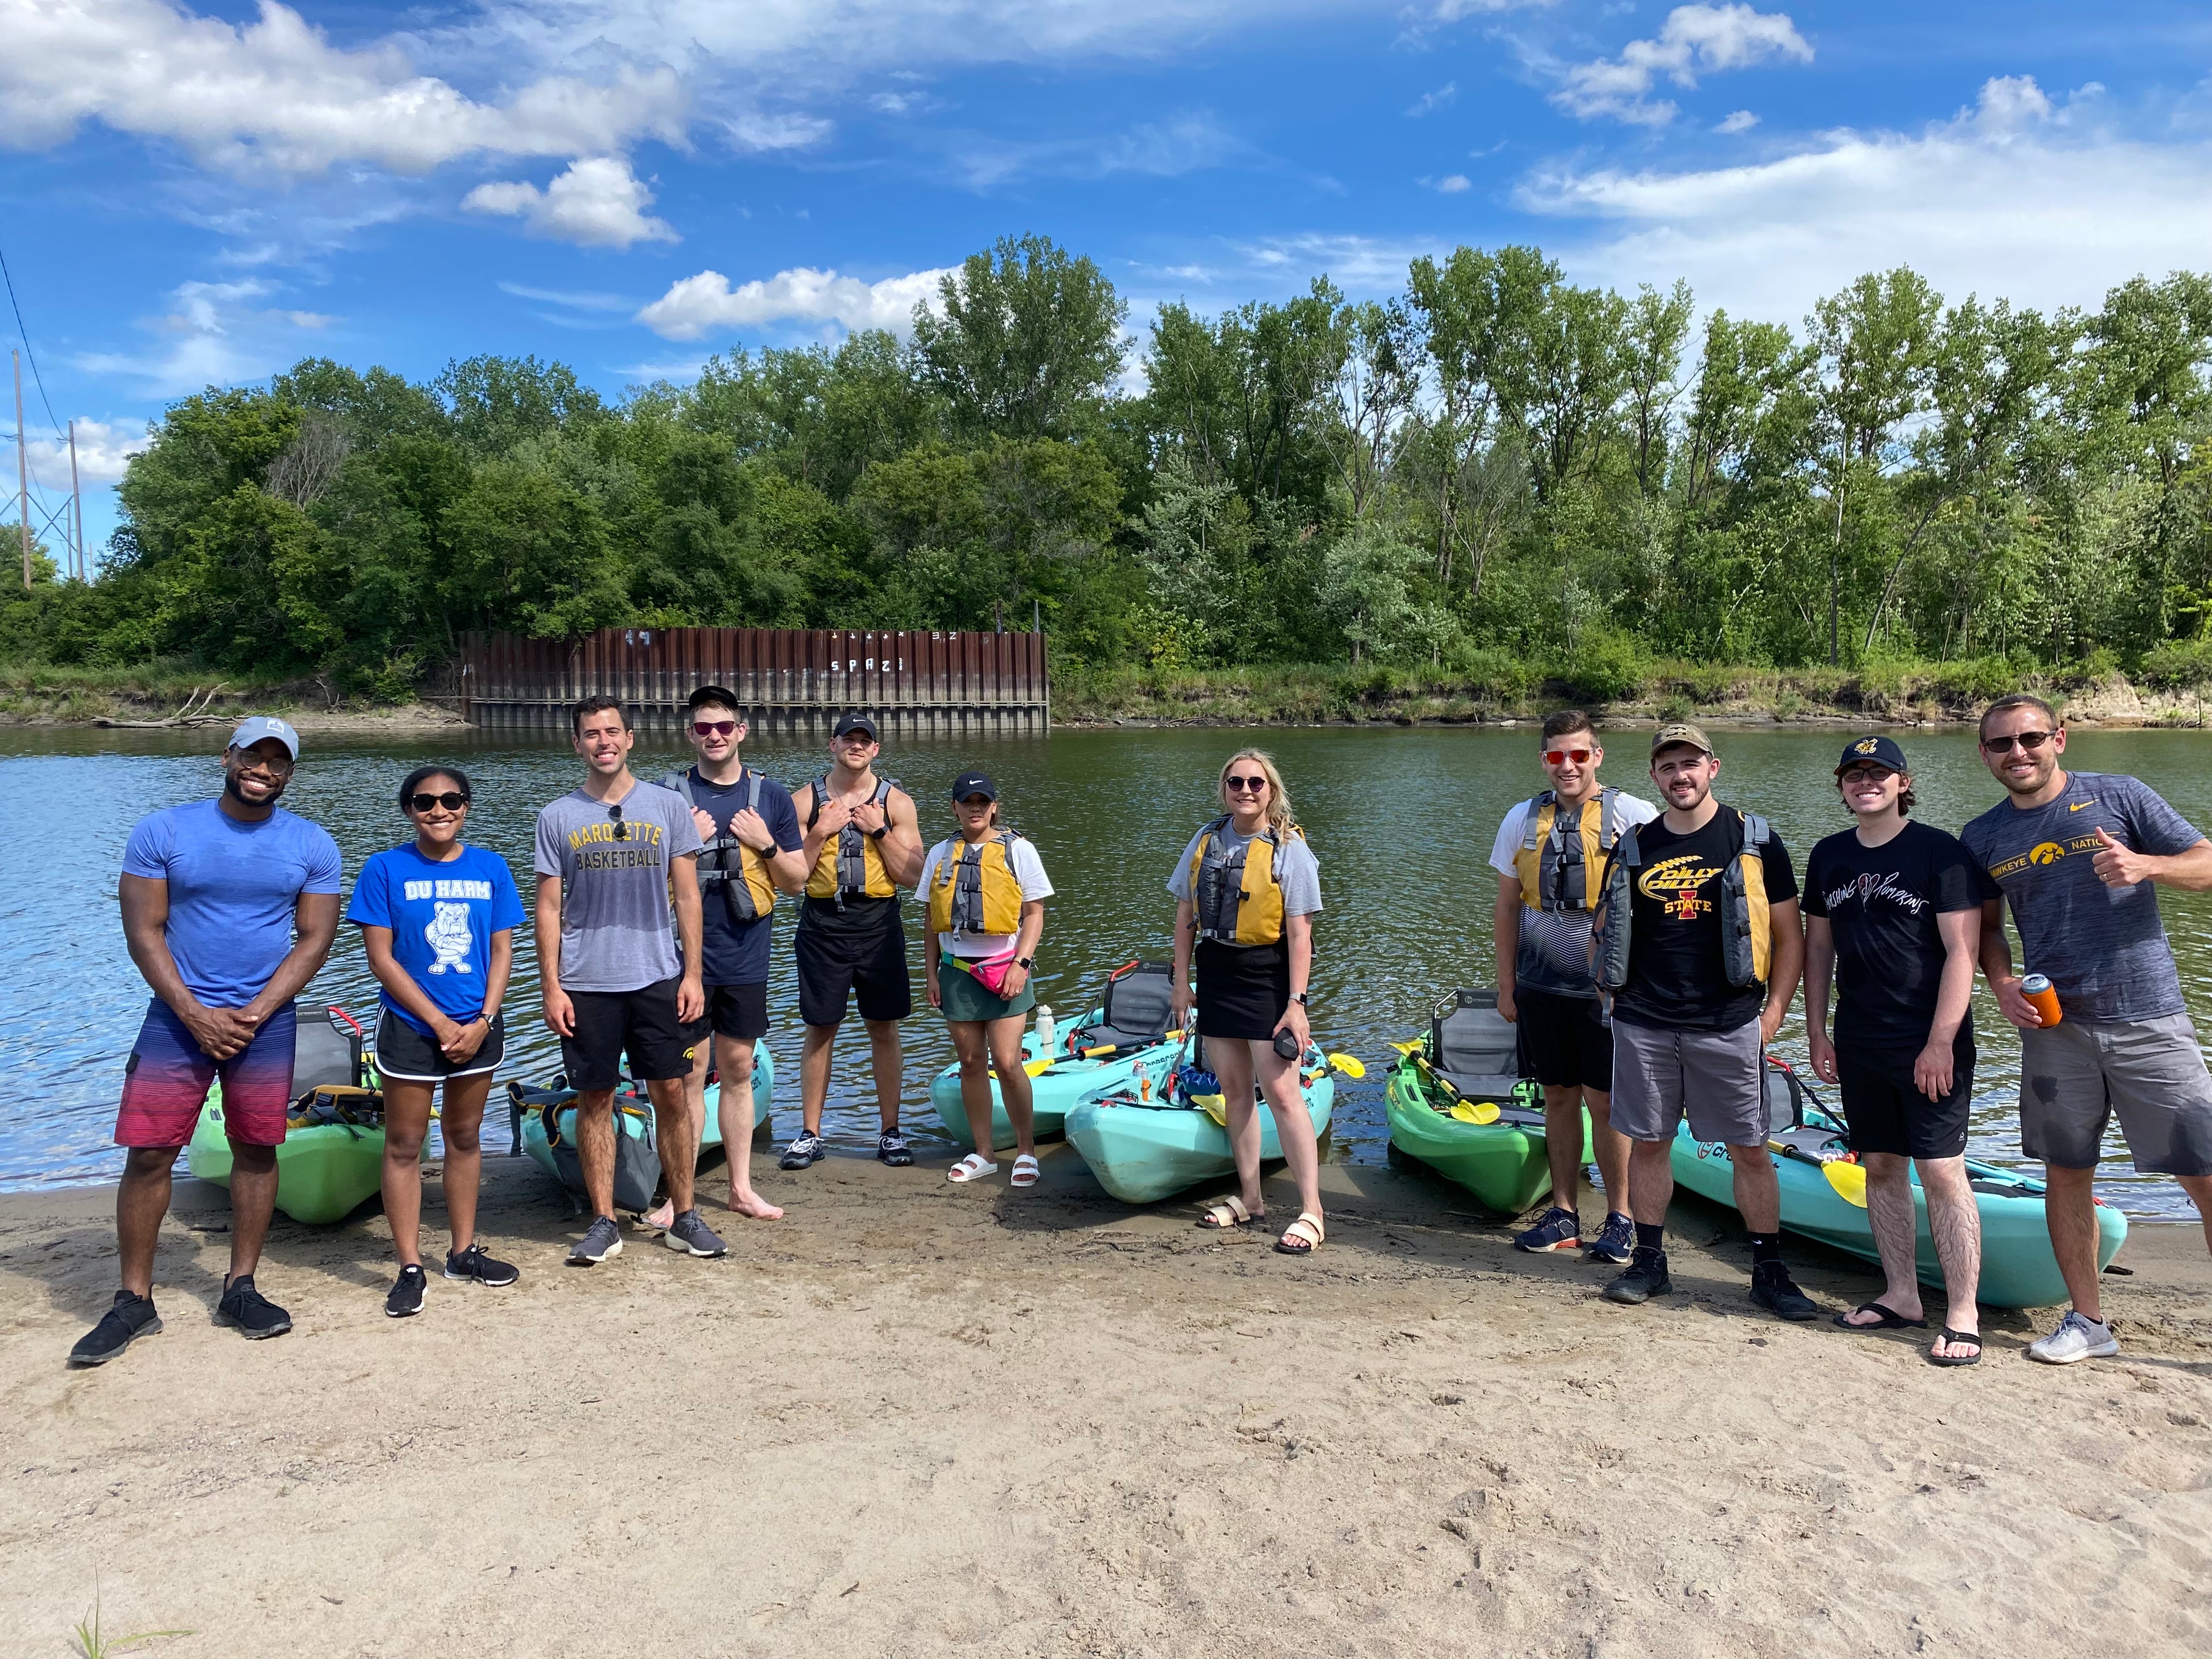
[913,1418]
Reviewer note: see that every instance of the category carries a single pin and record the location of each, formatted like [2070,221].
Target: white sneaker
[2078,1337]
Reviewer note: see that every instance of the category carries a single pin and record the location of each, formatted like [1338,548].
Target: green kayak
[325,1169]
[1505,1163]
[1143,1150]
[2018,1269]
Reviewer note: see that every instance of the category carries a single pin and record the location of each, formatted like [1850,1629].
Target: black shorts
[737,1011]
[1886,1114]
[404,1055]
[864,962]
[1243,989]
[1565,1040]
[641,1023]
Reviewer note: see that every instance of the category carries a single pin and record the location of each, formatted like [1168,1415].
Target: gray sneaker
[689,1231]
[2077,1338]
[601,1240]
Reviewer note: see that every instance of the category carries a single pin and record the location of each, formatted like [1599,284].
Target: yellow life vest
[1747,939]
[726,865]
[975,890]
[1559,864]
[851,867]
[1237,896]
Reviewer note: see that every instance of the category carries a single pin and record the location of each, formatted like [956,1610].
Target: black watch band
[1024,963]
[877,835]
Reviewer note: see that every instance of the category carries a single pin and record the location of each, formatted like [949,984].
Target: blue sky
[205,193]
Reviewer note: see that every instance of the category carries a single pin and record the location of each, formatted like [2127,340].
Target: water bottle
[1044,1031]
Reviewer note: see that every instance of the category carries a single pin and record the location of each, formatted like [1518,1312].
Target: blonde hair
[1279,816]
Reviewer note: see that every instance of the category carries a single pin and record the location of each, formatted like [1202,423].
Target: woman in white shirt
[985,890]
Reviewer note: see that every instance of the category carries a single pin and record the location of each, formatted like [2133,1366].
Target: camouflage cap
[1679,731]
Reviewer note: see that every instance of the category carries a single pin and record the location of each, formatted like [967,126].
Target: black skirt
[1243,989]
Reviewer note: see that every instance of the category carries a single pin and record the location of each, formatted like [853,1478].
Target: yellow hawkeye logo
[1673,882]
[2049,852]
[2043,852]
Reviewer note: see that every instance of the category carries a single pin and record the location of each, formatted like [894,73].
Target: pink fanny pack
[989,972]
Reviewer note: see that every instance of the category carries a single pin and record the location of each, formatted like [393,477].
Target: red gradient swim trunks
[167,1081]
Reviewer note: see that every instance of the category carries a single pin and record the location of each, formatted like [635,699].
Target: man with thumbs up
[2079,856]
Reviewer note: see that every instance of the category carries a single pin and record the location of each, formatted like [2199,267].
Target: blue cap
[250,732]
[1882,751]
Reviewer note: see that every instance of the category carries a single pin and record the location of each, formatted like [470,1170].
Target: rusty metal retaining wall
[794,681]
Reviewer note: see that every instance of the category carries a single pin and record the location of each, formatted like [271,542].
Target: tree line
[1494,464]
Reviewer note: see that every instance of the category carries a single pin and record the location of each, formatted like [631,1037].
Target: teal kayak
[1143,1147]
[1070,1078]
[634,1114]
[2018,1269]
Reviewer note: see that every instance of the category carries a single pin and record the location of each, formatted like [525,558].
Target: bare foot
[662,1217]
[753,1205]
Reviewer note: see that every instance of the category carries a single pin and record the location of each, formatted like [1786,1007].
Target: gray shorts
[1715,1078]
[2074,1075]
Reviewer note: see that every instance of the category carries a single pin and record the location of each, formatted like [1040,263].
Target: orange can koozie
[2036,987]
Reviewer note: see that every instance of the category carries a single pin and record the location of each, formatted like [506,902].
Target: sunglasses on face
[715,728]
[621,829]
[452,800]
[2030,741]
[1561,757]
[1865,774]
[1245,786]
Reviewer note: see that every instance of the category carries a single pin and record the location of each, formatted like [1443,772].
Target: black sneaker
[1646,1277]
[473,1263]
[131,1318]
[1771,1289]
[601,1240]
[406,1298]
[257,1318]
[808,1149]
[891,1148]
[689,1231]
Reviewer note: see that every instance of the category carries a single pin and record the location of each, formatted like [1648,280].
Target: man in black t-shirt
[1698,940]
[1892,915]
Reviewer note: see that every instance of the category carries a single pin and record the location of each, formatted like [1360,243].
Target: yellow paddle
[1214,1106]
[1482,1111]
[1037,1067]
[1848,1179]
[1349,1065]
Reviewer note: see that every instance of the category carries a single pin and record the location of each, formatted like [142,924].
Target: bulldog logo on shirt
[448,935]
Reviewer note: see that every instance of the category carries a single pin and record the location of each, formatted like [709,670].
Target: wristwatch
[1024,963]
[1302,999]
[879,832]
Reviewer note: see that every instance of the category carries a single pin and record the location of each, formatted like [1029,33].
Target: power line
[23,329]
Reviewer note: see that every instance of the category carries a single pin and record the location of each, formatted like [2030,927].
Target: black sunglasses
[1251,786]
[452,800]
[621,829]
[2030,741]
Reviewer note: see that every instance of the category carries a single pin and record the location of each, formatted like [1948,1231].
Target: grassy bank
[1899,693]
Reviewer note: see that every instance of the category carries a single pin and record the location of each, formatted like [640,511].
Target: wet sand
[914,1418]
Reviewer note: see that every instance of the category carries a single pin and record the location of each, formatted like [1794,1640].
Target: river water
[1401,819]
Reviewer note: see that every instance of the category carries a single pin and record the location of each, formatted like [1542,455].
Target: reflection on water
[1403,821]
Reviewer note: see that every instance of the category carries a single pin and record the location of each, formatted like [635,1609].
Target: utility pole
[22,473]
[77,507]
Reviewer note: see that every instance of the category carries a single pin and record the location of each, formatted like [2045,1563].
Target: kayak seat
[1134,1011]
[322,1056]
[1810,1141]
[1469,1038]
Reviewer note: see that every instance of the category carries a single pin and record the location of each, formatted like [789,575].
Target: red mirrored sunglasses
[1561,757]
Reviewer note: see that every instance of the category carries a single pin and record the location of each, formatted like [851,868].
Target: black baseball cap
[716,694]
[975,783]
[1882,751]
[849,723]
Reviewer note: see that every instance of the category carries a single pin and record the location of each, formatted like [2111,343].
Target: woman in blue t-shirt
[438,918]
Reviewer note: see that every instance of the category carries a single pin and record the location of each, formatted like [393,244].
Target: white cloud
[1455,185]
[1429,102]
[699,305]
[573,298]
[276,93]
[1696,39]
[103,449]
[214,334]
[2001,200]
[598,203]
[1737,121]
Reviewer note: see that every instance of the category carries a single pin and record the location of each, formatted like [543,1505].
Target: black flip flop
[1890,1320]
[1950,1335]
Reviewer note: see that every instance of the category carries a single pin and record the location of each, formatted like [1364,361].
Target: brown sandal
[1307,1228]
[1225,1213]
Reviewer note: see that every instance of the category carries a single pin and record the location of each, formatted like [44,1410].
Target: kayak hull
[1505,1166]
[1141,1154]
[1053,1091]
[323,1173]
[534,1146]
[2018,1268]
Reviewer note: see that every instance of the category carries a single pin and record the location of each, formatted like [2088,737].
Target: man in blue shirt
[229,906]
[750,852]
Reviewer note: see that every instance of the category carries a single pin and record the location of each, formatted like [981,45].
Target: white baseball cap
[250,732]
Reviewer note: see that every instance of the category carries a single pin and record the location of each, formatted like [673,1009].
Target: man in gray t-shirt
[618,980]
[2077,856]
